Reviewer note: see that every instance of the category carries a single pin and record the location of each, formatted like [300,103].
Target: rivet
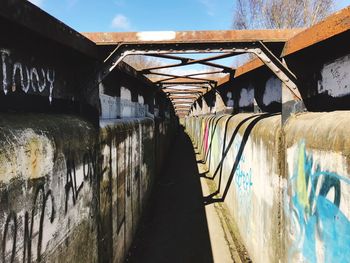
[277,70]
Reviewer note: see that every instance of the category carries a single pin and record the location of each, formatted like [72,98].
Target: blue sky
[147,15]
[144,15]
[140,15]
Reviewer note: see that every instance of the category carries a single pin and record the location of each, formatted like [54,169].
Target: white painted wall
[336,78]
[273,91]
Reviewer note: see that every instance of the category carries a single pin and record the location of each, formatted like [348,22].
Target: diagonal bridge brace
[157,48]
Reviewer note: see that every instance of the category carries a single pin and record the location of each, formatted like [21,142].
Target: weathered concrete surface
[48,179]
[241,156]
[70,192]
[179,227]
[285,188]
[317,200]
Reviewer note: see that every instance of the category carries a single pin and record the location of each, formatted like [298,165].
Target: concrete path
[178,227]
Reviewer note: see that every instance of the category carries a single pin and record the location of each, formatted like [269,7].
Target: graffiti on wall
[206,137]
[24,235]
[18,76]
[321,229]
[33,223]
[243,173]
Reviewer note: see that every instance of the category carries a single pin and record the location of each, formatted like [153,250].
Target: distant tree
[140,62]
[272,14]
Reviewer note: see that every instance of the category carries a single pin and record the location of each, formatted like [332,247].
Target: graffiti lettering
[25,77]
[243,177]
[73,186]
[29,227]
[12,217]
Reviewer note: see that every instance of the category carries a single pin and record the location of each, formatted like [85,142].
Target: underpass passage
[84,135]
[177,226]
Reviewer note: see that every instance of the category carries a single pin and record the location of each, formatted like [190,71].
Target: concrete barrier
[64,184]
[286,188]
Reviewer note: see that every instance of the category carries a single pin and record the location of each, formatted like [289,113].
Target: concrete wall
[284,173]
[287,189]
[76,164]
[70,192]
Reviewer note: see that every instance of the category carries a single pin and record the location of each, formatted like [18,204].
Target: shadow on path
[174,228]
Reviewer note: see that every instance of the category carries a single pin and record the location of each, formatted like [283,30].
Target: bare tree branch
[256,14]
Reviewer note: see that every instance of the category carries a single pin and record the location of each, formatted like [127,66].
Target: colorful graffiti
[206,137]
[243,174]
[322,229]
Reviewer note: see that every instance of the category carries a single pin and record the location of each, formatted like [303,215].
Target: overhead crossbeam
[174,98]
[184,78]
[183,101]
[187,85]
[225,69]
[257,48]
[189,61]
[182,91]
[188,76]
[182,105]
[226,46]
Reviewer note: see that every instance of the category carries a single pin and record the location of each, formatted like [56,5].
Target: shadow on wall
[175,227]
[205,139]
[255,119]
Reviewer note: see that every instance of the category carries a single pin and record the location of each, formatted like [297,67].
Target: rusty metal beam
[183,110]
[185,107]
[256,47]
[279,69]
[184,59]
[190,105]
[187,85]
[184,91]
[174,98]
[183,102]
[334,25]
[182,78]
[188,76]
[113,38]
[174,95]
[190,62]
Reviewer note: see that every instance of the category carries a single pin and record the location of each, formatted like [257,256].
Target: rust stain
[34,157]
[249,66]
[333,25]
[267,35]
[245,68]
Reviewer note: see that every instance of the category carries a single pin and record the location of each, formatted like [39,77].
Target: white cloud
[121,22]
[210,6]
[38,3]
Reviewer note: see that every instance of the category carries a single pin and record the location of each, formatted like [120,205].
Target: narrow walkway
[175,228]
